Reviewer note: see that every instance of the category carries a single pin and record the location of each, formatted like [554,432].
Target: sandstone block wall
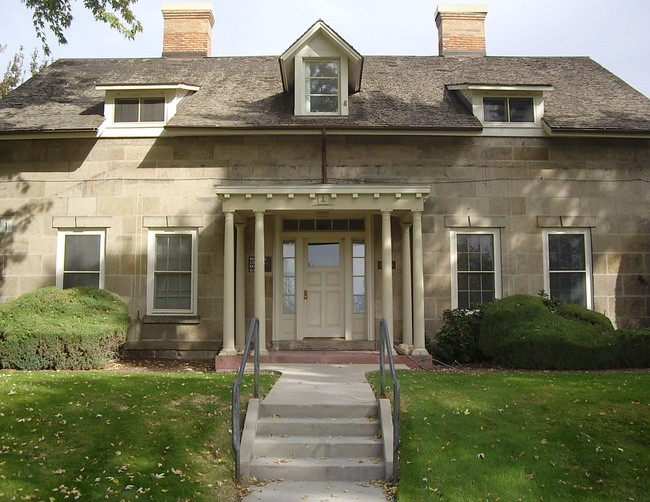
[519,185]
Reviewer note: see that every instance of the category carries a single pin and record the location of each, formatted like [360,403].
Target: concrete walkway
[319,384]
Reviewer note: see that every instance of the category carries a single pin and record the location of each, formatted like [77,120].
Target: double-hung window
[322,86]
[131,110]
[171,272]
[80,258]
[476,267]
[567,266]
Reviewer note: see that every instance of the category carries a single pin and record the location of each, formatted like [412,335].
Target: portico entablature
[319,197]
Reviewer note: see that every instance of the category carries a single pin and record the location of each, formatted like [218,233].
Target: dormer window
[505,109]
[496,109]
[321,70]
[322,86]
[139,110]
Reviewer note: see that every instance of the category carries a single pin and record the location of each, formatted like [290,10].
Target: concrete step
[318,447]
[310,469]
[322,427]
[351,410]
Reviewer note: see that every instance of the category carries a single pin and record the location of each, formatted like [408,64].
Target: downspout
[323,154]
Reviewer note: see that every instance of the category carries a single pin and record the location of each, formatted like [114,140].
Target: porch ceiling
[323,197]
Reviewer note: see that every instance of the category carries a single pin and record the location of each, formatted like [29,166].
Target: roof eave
[567,131]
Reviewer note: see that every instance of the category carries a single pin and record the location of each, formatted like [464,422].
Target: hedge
[521,332]
[77,328]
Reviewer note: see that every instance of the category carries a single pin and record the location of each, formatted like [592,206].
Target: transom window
[322,86]
[323,224]
[139,109]
[80,259]
[476,263]
[508,109]
[568,266]
[172,272]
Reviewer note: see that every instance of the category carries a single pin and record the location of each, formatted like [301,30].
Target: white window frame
[60,253]
[508,122]
[496,239]
[305,62]
[173,95]
[151,262]
[588,260]
[140,100]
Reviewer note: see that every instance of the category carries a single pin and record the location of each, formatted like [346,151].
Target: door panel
[324,293]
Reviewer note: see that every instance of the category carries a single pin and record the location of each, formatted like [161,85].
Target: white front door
[324,289]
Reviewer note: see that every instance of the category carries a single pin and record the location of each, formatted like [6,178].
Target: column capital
[406,223]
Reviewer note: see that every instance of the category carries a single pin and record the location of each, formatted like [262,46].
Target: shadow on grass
[98,435]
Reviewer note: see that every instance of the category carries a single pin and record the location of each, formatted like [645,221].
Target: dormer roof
[322,29]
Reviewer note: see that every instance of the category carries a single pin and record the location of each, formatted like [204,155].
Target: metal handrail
[253,334]
[385,346]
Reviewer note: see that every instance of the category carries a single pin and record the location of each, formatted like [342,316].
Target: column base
[420,352]
[228,352]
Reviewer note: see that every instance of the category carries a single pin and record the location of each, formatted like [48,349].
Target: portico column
[240,292]
[387,271]
[407,302]
[418,287]
[228,348]
[260,293]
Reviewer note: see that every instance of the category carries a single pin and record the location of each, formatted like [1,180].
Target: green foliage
[550,303]
[572,311]
[15,72]
[56,16]
[633,348]
[457,340]
[521,332]
[78,328]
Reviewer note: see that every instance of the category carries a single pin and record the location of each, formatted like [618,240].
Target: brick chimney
[461,29]
[187,29]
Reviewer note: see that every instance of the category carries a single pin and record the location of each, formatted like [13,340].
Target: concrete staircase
[317,442]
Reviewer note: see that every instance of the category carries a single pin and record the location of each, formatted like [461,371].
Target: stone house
[323,190]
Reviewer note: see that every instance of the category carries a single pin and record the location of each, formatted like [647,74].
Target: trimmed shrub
[457,340]
[572,311]
[78,328]
[633,348]
[521,332]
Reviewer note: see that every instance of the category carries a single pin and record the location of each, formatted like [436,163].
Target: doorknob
[305,294]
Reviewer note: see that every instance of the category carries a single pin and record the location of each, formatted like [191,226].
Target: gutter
[594,132]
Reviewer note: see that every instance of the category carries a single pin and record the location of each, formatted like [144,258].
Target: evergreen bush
[457,340]
[521,331]
[77,328]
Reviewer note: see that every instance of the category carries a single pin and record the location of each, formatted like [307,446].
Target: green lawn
[551,436]
[480,436]
[117,436]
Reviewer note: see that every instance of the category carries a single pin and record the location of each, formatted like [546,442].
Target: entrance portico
[322,260]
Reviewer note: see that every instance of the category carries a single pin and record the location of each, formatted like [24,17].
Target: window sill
[171,319]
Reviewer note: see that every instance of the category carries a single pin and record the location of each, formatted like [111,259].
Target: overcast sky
[615,33]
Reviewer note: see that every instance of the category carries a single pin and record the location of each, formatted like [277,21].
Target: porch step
[230,363]
[316,442]
[325,344]
[318,469]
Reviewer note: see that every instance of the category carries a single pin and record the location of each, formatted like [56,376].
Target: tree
[15,72]
[56,15]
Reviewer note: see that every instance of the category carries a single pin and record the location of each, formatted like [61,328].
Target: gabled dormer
[322,70]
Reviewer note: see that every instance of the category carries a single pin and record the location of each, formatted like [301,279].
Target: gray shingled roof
[397,92]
